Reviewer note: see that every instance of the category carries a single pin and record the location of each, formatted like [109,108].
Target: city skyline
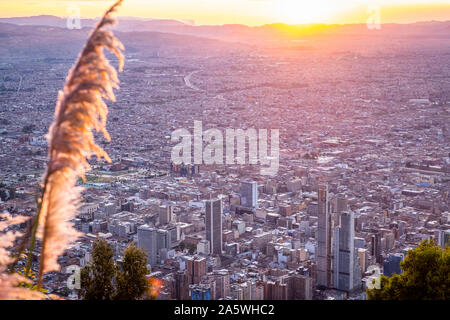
[360,116]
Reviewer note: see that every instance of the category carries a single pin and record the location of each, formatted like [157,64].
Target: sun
[306,11]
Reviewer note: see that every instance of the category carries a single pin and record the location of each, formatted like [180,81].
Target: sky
[250,12]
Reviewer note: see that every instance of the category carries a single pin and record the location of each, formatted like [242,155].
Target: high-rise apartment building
[196,269]
[346,266]
[323,239]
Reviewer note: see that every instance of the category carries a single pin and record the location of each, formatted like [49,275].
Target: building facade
[214,210]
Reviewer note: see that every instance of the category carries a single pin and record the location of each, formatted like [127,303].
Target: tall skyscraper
[376,247]
[214,211]
[323,239]
[249,194]
[346,261]
[147,240]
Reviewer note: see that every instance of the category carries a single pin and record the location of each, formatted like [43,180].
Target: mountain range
[48,36]
[247,34]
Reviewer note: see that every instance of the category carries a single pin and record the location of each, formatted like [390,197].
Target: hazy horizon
[186,21]
[244,12]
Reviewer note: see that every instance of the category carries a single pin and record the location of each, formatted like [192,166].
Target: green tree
[187,245]
[132,283]
[97,278]
[426,276]
[103,280]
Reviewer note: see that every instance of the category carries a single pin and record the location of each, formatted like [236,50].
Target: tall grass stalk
[80,110]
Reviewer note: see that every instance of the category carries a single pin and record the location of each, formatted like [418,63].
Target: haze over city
[135,157]
[248,12]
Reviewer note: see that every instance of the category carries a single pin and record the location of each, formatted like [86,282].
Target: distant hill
[47,42]
[42,37]
[246,34]
[127,23]
[43,20]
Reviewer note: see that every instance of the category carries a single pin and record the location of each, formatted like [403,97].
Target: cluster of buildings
[363,176]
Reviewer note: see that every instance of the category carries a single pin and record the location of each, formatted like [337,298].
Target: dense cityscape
[364,161]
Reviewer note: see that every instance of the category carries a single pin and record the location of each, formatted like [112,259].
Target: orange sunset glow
[249,12]
[236,154]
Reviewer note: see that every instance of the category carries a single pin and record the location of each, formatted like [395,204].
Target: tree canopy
[426,276]
[97,278]
[103,280]
[131,278]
